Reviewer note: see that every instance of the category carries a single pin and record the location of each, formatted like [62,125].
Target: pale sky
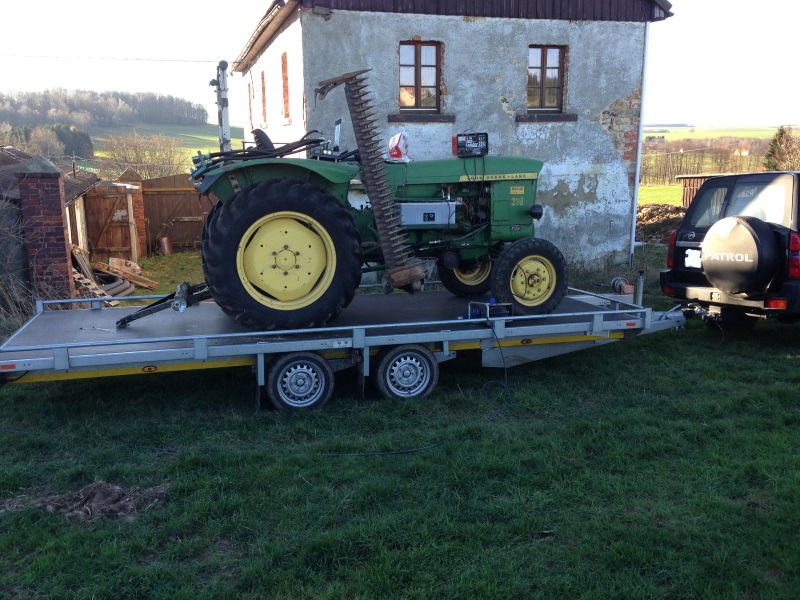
[716,62]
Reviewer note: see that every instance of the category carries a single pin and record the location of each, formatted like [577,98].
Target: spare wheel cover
[740,255]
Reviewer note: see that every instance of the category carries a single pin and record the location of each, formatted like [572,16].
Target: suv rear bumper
[757,303]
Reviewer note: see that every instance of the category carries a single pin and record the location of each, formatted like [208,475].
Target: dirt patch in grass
[654,222]
[98,500]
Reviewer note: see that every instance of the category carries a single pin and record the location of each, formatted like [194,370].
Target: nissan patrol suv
[736,256]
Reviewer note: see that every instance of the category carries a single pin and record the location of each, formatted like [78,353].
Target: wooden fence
[174,210]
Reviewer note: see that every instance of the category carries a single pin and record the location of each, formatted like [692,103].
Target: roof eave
[662,10]
[272,20]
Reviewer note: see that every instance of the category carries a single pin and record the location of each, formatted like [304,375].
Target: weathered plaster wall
[587,183]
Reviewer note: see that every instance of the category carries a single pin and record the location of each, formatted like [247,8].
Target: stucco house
[561,82]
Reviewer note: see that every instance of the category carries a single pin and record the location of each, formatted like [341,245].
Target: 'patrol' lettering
[727,257]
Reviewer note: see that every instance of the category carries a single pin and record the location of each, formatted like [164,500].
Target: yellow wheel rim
[533,280]
[286,260]
[474,276]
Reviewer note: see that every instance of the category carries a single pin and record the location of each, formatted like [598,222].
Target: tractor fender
[230,179]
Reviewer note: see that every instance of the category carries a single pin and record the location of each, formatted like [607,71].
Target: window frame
[543,68]
[417,109]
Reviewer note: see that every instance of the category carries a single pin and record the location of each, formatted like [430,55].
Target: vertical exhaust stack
[403,270]
[223,118]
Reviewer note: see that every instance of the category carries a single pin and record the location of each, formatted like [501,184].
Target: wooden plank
[84,266]
[91,287]
[135,279]
[125,265]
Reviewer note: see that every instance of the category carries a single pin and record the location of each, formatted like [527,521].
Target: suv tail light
[794,256]
[671,249]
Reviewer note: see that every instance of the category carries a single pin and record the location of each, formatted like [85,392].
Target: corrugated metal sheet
[569,10]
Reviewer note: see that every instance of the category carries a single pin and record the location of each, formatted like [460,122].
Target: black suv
[736,255]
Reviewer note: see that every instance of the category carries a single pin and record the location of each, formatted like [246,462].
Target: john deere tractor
[285,248]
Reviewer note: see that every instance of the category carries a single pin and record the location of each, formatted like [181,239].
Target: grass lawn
[662,467]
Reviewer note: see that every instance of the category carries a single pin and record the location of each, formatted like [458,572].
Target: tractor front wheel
[531,275]
[282,254]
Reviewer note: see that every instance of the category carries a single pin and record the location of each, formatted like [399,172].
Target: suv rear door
[766,196]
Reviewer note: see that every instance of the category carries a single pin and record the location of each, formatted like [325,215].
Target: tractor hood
[487,168]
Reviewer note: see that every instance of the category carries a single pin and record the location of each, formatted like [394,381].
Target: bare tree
[150,155]
[44,141]
[5,134]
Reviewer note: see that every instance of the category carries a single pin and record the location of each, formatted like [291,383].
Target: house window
[420,76]
[546,78]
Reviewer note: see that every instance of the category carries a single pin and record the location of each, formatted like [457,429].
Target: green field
[193,138]
[661,194]
[690,133]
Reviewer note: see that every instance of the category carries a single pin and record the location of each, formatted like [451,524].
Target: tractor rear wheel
[282,254]
[469,278]
[531,275]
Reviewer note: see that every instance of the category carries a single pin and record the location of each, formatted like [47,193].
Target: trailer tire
[299,381]
[468,279]
[282,254]
[407,371]
[531,275]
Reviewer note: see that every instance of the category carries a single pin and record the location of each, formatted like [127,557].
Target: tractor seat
[262,140]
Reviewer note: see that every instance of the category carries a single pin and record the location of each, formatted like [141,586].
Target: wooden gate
[109,224]
[173,209]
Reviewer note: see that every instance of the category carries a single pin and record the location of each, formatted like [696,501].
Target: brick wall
[44,223]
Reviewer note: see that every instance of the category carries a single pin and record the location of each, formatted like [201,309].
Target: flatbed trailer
[396,339]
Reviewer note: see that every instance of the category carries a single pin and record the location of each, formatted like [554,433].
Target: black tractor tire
[282,254]
[407,371]
[299,381]
[531,275]
[741,255]
[468,279]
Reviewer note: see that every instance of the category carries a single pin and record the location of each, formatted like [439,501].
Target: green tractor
[285,248]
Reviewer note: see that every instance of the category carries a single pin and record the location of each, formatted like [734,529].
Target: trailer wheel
[470,278]
[406,371]
[531,275]
[302,380]
[282,254]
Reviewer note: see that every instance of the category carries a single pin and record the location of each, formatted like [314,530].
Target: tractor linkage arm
[185,295]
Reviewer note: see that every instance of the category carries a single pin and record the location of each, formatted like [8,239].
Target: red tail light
[777,303]
[671,249]
[794,256]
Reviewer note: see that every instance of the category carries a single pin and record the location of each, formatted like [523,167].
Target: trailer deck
[85,342]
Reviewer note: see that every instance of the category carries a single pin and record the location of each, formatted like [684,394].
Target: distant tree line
[83,109]
[48,140]
[663,160]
